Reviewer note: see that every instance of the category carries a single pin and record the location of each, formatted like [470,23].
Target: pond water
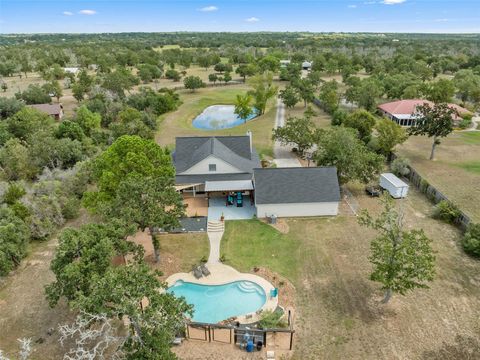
[218,117]
[214,303]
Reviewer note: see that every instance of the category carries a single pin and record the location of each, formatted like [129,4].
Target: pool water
[214,303]
[219,117]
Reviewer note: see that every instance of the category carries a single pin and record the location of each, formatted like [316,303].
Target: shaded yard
[339,315]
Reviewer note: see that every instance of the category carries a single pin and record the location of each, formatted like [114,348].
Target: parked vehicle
[373,191]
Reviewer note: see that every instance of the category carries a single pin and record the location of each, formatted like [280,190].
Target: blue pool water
[214,303]
[219,117]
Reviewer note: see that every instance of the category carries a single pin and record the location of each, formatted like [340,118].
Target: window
[212,167]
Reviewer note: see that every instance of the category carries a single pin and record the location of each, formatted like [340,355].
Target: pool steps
[249,287]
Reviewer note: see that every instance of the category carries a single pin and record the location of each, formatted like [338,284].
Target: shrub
[400,166]
[446,211]
[471,240]
[13,193]
[272,320]
[465,123]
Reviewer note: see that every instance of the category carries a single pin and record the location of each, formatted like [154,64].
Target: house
[296,191]
[403,112]
[219,176]
[54,110]
[307,65]
[72,70]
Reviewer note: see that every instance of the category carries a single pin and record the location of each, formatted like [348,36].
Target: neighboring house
[307,65]
[54,110]
[294,192]
[222,169]
[403,112]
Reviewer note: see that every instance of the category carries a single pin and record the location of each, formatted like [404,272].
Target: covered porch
[232,200]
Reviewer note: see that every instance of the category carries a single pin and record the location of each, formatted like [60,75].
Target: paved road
[283,153]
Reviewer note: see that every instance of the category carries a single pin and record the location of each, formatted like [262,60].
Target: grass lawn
[179,123]
[253,243]
[321,119]
[338,311]
[455,170]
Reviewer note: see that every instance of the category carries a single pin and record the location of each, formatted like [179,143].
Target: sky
[73,16]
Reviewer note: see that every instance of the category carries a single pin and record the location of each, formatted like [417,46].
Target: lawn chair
[204,270]
[197,272]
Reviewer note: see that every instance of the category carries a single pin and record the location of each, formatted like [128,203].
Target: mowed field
[179,122]
[338,311]
[456,169]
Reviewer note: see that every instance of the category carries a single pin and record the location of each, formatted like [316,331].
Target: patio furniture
[197,272]
[230,200]
[204,270]
[273,293]
[239,199]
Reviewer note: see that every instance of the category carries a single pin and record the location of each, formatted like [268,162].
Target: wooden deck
[196,206]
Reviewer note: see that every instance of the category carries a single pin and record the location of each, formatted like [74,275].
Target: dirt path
[283,153]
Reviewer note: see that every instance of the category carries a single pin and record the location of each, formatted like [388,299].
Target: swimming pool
[217,117]
[214,303]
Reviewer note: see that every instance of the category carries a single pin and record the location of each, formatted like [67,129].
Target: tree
[433,121]
[329,97]
[78,91]
[69,129]
[87,120]
[193,83]
[151,203]
[28,122]
[130,121]
[127,157]
[227,77]
[340,147]
[440,91]
[242,107]
[402,260]
[213,78]
[245,70]
[389,135]
[364,92]
[468,84]
[289,96]
[14,237]
[15,161]
[53,88]
[400,166]
[119,81]
[87,252]
[121,292]
[172,75]
[363,122]
[34,94]
[9,107]
[262,90]
[4,86]
[305,90]
[298,131]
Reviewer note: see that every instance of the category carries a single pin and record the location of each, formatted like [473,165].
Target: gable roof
[50,109]
[409,107]
[296,185]
[234,150]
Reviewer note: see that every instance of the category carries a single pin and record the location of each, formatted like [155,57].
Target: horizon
[147,16]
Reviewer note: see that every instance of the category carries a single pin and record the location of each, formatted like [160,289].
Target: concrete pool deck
[221,274]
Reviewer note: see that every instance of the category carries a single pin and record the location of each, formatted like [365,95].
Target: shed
[396,187]
[296,192]
[307,65]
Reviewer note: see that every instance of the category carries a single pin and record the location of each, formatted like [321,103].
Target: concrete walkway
[215,230]
[283,153]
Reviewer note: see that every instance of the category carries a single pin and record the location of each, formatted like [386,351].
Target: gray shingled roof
[234,150]
[200,179]
[296,185]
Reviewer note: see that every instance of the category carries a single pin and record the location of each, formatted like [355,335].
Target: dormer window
[212,167]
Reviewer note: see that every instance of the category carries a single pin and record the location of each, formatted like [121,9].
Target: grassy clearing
[455,169]
[250,243]
[338,311]
[179,123]
[321,119]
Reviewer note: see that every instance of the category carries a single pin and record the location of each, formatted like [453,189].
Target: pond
[214,303]
[217,117]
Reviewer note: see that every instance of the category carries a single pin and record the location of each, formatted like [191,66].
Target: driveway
[283,153]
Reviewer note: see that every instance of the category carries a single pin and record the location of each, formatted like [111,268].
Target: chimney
[249,134]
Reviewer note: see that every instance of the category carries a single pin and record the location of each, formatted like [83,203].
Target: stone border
[221,274]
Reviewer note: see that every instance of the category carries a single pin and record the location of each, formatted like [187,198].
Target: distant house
[221,176]
[54,110]
[72,70]
[284,63]
[404,112]
[307,65]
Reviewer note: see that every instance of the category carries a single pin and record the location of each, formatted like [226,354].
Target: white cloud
[209,8]
[67,13]
[442,20]
[352,6]
[87,12]
[393,2]
[252,19]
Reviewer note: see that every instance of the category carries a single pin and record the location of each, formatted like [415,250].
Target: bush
[465,123]
[446,211]
[471,240]
[272,320]
[400,166]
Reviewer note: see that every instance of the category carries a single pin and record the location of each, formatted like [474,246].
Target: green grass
[188,249]
[250,243]
[470,137]
[472,166]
